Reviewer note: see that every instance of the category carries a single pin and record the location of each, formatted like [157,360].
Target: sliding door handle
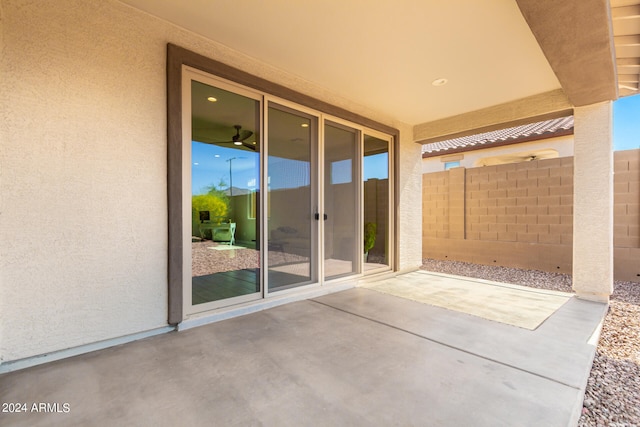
[317,216]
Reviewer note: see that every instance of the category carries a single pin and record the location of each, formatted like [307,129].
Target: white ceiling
[382,54]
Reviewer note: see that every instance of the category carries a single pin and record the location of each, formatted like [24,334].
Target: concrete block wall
[626,215]
[435,205]
[521,215]
[528,202]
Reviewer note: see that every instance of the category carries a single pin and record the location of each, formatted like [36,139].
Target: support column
[593,202]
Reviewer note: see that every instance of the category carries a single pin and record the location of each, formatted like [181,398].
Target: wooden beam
[545,106]
[628,62]
[633,87]
[627,78]
[627,91]
[628,66]
[629,41]
[625,12]
[629,69]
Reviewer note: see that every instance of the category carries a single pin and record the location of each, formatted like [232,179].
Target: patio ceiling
[398,48]
[499,57]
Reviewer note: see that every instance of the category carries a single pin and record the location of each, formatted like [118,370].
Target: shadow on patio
[357,357]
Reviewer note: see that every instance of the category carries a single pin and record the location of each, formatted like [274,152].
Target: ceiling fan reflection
[240,138]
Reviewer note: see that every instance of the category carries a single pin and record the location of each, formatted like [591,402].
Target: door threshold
[230,312]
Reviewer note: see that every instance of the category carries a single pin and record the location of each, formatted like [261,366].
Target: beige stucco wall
[83,220]
[593,202]
[410,204]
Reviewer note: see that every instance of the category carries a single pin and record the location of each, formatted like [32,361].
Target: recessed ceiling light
[211,99]
[196,163]
[216,155]
[254,143]
[237,143]
[439,82]
[305,125]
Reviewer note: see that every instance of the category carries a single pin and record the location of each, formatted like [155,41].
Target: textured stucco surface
[410,209]
[84,176]
[83,203]
[593,202]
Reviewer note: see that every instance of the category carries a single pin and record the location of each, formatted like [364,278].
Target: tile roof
[545,129]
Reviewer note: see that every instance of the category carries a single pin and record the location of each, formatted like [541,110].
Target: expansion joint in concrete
[446,345]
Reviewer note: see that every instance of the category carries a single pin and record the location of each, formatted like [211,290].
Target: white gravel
[612,396]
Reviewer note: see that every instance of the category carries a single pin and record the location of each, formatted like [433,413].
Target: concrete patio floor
[357,357]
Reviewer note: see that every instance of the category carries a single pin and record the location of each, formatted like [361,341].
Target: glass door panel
[292,227]
[225,178]
[376,203]
[341,239]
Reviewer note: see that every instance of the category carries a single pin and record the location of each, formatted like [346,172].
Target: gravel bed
[206,260]
[209,261]
[612,395]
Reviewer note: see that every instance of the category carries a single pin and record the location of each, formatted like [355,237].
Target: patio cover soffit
[577,40]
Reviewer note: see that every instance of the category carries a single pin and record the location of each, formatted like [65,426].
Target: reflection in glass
[376,202]
[341,251]
[290,225]
[225,179]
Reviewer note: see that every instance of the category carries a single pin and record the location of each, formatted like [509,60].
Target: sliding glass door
[225,179]
[377,209]
[269,183]
[292,198]
[342,253]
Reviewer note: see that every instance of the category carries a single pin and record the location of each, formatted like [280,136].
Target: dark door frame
[176,58]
